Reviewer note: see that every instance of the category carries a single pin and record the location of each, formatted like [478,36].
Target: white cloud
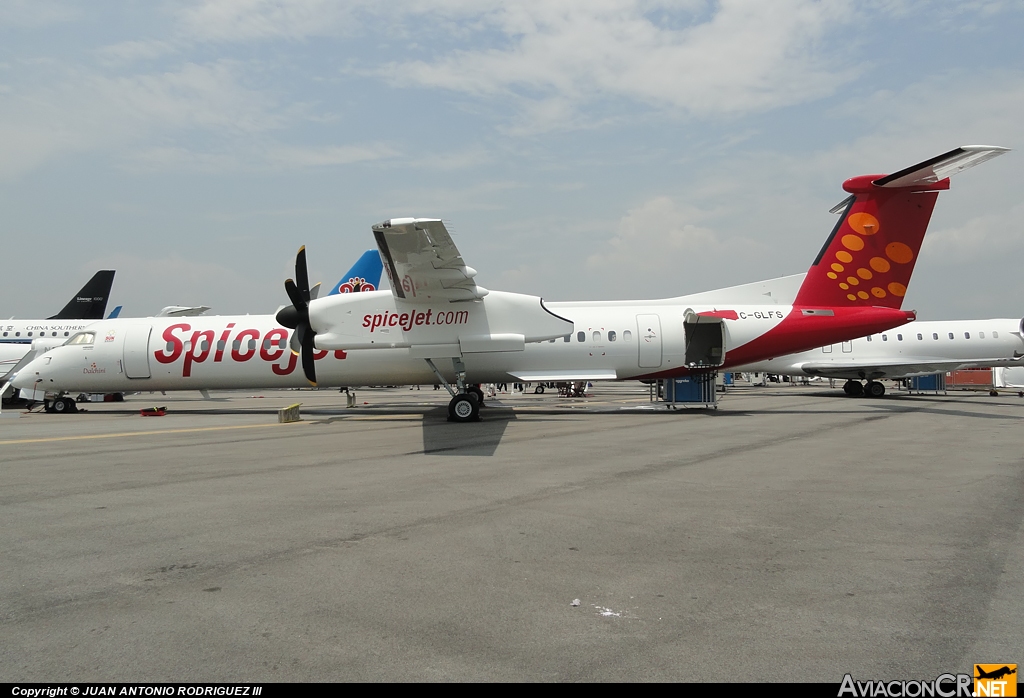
[746,56]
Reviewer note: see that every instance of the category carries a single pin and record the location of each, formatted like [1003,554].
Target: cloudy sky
[587,149]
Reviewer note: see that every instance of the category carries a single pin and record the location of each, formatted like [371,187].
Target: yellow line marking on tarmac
[143,433]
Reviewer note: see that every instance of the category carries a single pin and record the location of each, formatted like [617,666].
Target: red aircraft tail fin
[870,255]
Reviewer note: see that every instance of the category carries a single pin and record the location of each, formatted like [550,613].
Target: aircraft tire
[464,407]
[475,390]
[539,390]
[853,388]
[875,389]
[64,405]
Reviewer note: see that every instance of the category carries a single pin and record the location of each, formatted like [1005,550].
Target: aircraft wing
[182,310]
[565,375]
[422,262]
[888,369]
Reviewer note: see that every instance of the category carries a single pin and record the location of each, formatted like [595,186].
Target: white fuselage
[917,348]
[374,340]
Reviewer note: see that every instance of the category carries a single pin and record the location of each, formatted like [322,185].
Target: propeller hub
[289,317]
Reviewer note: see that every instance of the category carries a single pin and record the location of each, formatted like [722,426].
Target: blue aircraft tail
[114,313]
[364,276]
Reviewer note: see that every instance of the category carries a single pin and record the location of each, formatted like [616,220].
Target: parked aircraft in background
[437,314]
[246,331]
[916,349]
[90,303]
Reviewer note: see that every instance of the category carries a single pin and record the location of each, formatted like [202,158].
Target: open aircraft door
[648,333]
[705,340]
[136,351]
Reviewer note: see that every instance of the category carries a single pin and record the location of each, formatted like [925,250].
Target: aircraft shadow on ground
[441,437]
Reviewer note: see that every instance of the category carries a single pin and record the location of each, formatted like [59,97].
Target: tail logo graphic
[356,285]
[851,269]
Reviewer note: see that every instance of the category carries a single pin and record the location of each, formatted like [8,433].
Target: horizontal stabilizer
[941,166]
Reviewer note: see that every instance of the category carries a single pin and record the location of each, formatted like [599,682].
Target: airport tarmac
[792,535]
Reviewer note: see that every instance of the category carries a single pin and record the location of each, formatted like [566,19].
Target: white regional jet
[918,348]
[437,325]
[89,304]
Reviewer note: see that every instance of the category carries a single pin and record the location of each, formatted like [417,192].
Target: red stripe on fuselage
[799,332]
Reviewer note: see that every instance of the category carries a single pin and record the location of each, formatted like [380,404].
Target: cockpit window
[82,338]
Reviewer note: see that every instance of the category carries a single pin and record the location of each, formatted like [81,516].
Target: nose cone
[29,374]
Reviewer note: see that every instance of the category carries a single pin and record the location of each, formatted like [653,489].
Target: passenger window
[981,335]
[169,348]
[899,338]
[597,335]
[919,336]
[29,334]
[220,345]
[967,335]
[252,345]
[581,336]
[995,335]
[935,335]
[282,343]
[627,336]
[17,334]
[951,335]
[65,334]
[236,345]
[204,345]
[5,334]
[885,338]
[611,335]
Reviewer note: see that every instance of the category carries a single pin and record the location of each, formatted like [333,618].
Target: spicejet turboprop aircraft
[438,325]
[363,276]
[916,349]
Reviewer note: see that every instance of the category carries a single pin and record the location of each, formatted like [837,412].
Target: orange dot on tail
[852,280]
[897,289]
[898,252]
[864,274]
[863,223]
[844,256]
[838,267]
[844,287]
[851,296]
[880,264]
[863,295]
[878,292]
[832,275]
[853,242]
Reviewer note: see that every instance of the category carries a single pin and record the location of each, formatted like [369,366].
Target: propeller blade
[308,366]
[301,275]
[295,296]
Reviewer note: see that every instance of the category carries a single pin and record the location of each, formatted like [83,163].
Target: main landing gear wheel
[875,389]
[464,407]
[539,390]
[63,405]
[853,388]
[475,390]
